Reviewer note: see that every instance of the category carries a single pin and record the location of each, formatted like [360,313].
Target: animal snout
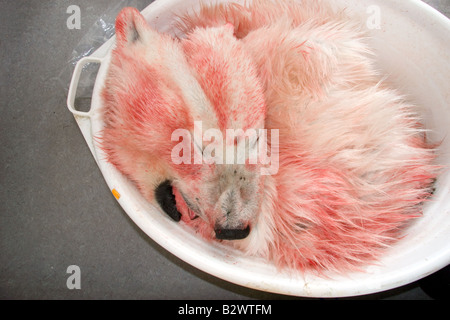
[232,234]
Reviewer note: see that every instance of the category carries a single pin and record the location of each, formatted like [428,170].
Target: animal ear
[131,26]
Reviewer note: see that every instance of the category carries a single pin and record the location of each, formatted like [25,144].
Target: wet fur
[355,165]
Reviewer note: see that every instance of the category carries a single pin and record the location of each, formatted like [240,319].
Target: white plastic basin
[413,48]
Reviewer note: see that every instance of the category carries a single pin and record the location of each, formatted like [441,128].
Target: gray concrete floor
[55,209]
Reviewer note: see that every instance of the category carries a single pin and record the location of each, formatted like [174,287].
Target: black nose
[232,234]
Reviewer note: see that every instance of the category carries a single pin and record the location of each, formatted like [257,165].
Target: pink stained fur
[354,162]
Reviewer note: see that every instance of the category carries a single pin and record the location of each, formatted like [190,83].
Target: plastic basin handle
[74,85]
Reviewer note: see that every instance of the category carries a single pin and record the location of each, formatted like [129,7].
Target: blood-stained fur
[157,85]
[354,162]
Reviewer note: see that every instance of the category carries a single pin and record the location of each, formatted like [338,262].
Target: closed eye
[198,146]
[256,141]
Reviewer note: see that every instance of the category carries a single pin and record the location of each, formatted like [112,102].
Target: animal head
[200,105]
